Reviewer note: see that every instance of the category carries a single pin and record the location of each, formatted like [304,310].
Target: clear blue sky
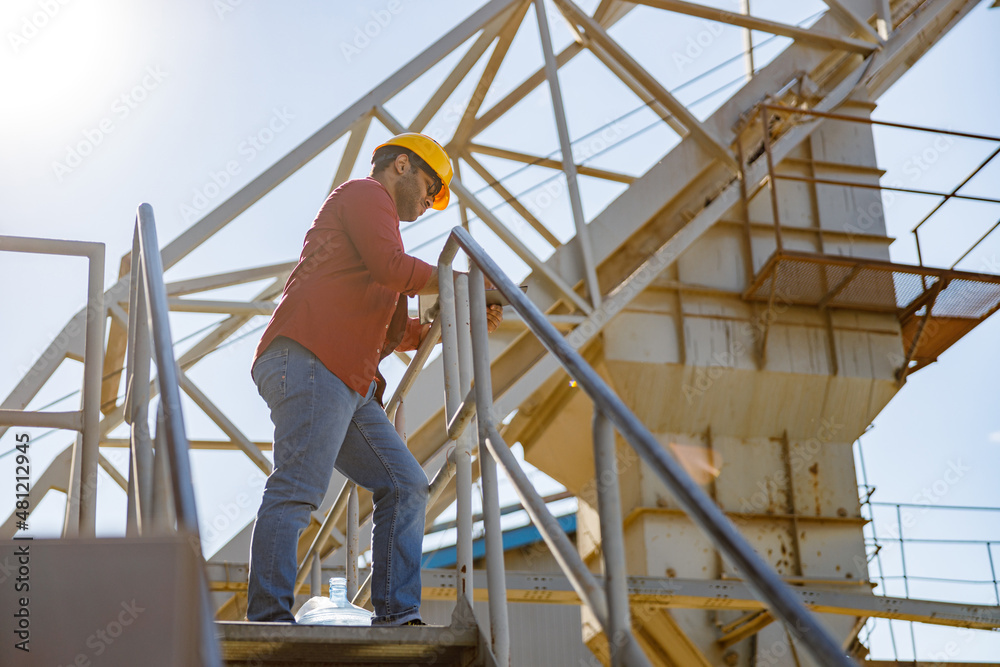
[163,96]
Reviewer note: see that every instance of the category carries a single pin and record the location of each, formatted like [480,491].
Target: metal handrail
[148,295]
[764,581]
[463,329]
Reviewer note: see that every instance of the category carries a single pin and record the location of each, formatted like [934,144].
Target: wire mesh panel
[958,300]
[859,284]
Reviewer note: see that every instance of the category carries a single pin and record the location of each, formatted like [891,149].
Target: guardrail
[81,508]
[463,330]
[160,488]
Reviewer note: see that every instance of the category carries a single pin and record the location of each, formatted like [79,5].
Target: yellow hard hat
[434,155]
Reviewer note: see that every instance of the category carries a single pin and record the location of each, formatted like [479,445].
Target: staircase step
[278,644]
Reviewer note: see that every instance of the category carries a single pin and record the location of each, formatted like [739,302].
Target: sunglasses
[436,183]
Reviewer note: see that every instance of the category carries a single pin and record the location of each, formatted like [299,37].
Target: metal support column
[747,41]
[566,149]
[883,19]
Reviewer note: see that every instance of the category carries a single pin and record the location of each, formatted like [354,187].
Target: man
[316,367]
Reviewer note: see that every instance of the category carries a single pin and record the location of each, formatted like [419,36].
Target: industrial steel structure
[733,314]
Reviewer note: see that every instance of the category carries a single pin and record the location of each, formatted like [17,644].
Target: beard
[408,196]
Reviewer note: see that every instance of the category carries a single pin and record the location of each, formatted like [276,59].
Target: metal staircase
[718,165]
[461,644]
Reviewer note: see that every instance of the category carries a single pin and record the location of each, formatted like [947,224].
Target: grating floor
[936,307]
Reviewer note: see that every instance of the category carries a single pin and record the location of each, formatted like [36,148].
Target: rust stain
[814,472]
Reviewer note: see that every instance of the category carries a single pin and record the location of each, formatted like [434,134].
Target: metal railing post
[399,420]
[316,577]
[131,509]
[167,373]
[352,537]
[993,571]
[71,522]
[463,446]
[771,182]
[137,376]
[172,419]
[496,579]
[463,450]
[93,364]
[164,509]
[623,650]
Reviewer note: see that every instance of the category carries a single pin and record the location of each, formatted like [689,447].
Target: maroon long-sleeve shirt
[341,302]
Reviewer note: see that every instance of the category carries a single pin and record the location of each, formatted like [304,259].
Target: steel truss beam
[549,163]
[595,33]
[807,36]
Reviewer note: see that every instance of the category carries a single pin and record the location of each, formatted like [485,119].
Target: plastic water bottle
[335,610]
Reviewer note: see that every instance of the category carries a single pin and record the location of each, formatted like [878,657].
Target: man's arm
[431,287]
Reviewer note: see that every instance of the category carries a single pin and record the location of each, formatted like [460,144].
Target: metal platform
[935,307]
[277,644]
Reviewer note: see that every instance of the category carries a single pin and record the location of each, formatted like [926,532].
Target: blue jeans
[321,424]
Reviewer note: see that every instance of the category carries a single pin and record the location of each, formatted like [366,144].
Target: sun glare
[56,57]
